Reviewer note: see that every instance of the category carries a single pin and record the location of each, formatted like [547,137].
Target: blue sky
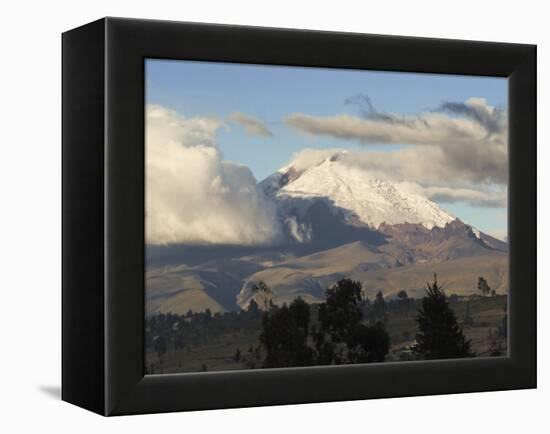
[270,93]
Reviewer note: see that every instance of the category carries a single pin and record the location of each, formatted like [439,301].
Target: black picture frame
[103,216]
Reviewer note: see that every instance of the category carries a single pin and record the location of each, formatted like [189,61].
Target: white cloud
[487,198]
[458,142]
[192,194]
[423,171]
[480,197]
[309,157]
[252,126]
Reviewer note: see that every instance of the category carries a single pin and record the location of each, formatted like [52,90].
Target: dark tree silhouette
[379,306]
[402,295]
[368,344]
[301,313]
[342,338]
[284,336]
[325,349]
[483,286]
[439,335]
[403,299]
[341,311]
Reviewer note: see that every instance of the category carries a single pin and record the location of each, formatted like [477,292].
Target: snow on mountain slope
[353,192]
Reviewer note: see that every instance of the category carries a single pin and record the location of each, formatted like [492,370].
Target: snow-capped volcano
[335,222]
[354,194]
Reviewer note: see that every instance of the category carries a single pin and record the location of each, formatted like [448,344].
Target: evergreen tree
[439,335]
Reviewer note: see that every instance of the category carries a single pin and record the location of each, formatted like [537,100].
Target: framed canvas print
[263,216]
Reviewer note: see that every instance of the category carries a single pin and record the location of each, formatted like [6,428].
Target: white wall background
[30,204]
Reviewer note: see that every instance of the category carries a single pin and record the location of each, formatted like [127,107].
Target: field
[230,341]
[487,314]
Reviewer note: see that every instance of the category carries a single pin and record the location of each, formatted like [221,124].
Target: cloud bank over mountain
[455,153]
[192,195]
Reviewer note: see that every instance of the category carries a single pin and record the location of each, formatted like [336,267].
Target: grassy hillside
[458,276]
[308,276]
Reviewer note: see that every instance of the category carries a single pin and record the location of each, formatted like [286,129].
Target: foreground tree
[339,337]
[284,335]
[368,344]
[341,311]
[342,338]
[439,335]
